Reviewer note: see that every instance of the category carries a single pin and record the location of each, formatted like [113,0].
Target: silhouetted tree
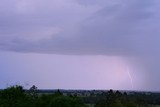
[33,92]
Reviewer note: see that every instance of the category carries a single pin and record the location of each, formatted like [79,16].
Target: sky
[80,44]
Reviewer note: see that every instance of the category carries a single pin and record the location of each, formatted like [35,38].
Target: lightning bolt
[130,77]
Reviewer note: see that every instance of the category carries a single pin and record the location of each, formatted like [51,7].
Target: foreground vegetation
[16,96]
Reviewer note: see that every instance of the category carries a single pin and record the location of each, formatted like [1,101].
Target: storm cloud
[73,27]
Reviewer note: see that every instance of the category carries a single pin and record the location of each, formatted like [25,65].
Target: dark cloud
[115,30]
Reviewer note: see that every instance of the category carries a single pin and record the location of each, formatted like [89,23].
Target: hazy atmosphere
[80,44]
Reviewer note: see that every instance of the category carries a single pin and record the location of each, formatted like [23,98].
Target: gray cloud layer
[124,27]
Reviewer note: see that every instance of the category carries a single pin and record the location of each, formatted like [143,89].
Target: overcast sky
[80,44]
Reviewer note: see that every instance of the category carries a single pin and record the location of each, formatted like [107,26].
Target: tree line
[17,96]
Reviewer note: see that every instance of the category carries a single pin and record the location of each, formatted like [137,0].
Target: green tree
[33,92]
[14,96]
